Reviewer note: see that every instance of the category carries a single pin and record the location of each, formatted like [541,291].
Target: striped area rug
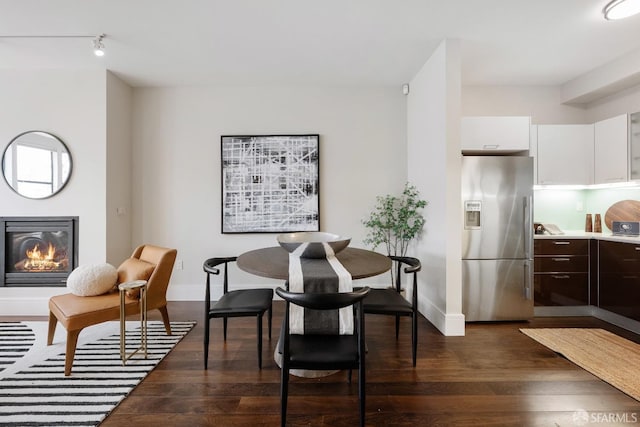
[16,339]
[40,394]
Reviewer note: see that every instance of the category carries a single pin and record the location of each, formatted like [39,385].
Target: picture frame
[270,183]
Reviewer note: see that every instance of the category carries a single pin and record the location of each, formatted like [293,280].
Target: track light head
[98,46]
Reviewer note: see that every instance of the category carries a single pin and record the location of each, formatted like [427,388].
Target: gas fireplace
[37,251]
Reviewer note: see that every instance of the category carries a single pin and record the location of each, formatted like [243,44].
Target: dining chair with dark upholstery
[235,303]
[391,302]
[321,351]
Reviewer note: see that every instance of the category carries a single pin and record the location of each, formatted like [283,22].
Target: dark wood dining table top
[273,262]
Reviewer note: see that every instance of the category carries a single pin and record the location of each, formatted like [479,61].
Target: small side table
[141,285]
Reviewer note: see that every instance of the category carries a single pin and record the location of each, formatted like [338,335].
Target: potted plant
[395,221]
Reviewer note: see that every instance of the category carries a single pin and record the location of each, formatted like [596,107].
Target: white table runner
[319,275]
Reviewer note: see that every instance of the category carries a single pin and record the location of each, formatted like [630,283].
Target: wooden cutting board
[625,210]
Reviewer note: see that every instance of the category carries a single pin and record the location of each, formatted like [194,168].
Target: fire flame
[37,260]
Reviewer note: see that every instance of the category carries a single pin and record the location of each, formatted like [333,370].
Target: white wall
[433,135]
[118,164]
[627,101]
[70,105]
[176,168]
[542,103]
[608,79]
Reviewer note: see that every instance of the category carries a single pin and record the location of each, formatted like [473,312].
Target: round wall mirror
[36,164]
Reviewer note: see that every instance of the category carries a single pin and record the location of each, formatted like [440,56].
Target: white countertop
[577,234]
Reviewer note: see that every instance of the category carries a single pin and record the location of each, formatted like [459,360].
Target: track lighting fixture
[98,46]
[619,9]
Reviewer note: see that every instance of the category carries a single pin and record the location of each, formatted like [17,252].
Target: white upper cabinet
[610,150]
[565,154]
[500,134]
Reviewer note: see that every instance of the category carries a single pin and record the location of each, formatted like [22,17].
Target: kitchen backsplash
[560,207]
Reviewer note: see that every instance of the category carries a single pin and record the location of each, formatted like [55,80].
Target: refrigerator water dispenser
[472,210]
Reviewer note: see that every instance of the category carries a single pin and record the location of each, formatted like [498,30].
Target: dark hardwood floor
[493,376]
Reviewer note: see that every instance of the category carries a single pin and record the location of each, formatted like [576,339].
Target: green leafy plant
[395,221]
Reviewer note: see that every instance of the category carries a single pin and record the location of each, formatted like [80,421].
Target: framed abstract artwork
[270,183]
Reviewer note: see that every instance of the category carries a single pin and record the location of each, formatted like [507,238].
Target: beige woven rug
[606,355]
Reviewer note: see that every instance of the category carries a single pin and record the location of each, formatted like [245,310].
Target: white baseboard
[27,301]
[187,293]
[196,292]
[449,324]
[35,302]
[23,306]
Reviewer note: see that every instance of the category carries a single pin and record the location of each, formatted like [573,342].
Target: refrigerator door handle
[527,280]
[527,214]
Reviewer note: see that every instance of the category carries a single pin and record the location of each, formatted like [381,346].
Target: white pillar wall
[434,166]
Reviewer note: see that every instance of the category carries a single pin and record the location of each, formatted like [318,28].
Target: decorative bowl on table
[314,243]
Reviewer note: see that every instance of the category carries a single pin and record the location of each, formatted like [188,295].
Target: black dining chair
[320,351]
[390,302]
[236,303]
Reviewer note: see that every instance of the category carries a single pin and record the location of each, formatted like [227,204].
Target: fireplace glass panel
[38,252]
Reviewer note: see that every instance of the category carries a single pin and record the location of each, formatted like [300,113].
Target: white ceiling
[311,42]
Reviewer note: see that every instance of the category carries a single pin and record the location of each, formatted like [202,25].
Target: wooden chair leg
[72,341]
[53,322]
[165,319]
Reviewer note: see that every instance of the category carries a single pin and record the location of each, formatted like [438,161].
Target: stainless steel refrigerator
[497,238]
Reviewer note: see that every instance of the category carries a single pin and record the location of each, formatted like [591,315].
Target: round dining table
[273,262]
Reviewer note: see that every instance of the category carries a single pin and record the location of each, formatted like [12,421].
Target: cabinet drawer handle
[561,259]
[637,248]
[561,243]
[490,146]
[560,277]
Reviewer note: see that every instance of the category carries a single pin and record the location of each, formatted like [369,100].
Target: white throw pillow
[92,279]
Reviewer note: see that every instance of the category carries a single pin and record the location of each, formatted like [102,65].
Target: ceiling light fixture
[619,9]
[98,46]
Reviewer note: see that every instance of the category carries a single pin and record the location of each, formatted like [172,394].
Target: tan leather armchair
[77,312]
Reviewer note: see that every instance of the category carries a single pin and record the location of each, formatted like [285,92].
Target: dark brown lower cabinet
[561,272]
[561,289]
[619,278]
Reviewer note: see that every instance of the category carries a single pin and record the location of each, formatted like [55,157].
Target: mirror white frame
[36,164]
